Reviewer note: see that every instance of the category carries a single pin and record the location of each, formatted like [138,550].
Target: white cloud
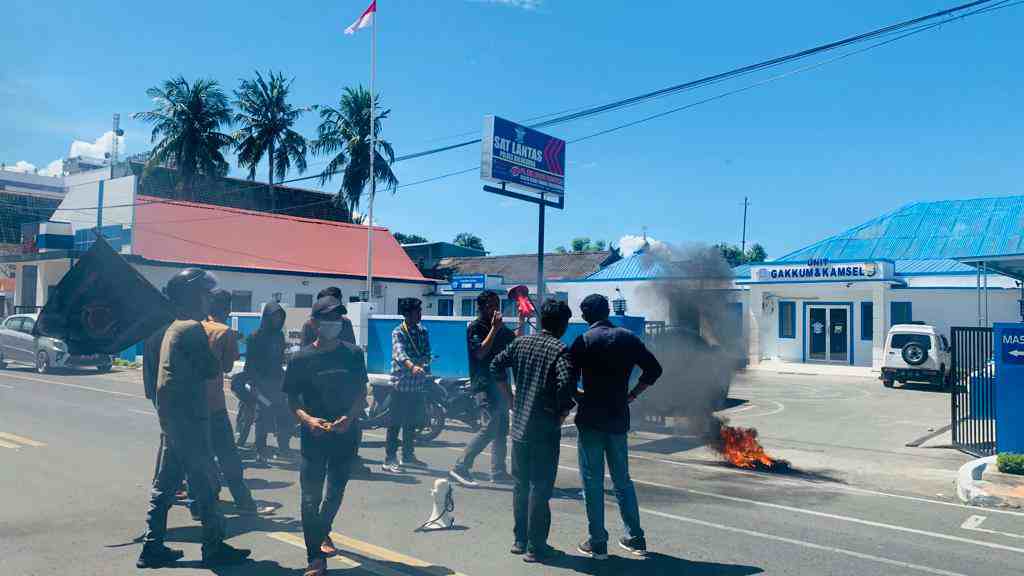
[629,244]
[524,4]
[99,148]
[22,166]
[55,168]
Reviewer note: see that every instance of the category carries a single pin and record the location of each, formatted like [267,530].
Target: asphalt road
[77,453]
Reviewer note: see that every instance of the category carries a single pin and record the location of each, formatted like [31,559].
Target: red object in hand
[521,295]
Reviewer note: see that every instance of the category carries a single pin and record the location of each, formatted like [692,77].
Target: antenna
[117,133]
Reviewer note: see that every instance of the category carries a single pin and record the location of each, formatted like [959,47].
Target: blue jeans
[594,447]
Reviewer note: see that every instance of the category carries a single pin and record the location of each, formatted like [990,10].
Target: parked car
[18,345]
[916,352]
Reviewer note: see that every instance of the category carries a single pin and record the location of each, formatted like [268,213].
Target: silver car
[18,345]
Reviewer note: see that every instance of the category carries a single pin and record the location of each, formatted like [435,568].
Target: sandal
[327,547]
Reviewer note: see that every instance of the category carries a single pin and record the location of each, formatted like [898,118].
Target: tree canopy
[468,240]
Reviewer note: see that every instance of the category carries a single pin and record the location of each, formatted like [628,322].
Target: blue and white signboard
[1009,388]
[520,156]
[469,283]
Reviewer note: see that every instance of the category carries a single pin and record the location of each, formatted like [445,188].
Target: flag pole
[373,147]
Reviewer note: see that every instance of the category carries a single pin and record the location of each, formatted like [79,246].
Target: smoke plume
[701,346]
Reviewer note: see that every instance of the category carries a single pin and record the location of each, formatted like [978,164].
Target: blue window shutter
[787,319]
[901,312]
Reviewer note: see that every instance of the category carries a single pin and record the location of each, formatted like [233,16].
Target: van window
[27,325]
[13,323]
[898,341]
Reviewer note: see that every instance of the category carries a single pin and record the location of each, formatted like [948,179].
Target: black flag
[103,305]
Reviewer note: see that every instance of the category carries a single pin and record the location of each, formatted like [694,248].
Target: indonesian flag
[364,20]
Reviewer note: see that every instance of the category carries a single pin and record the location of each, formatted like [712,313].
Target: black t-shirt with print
[327,383]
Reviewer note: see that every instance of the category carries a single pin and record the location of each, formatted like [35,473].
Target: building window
[303,300]
[509,309]
[469,306]
[787,319]
[867,320]
[241,301]
[901,312]
[445,307]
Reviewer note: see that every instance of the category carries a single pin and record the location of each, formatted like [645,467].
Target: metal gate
[973,397]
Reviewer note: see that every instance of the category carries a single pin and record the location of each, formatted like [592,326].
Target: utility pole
[743,241]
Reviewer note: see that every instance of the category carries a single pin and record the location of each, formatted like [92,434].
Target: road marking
[69,385]
[974,523]
[143,412]
[8,386]
[390,555]
[21,440]
[736,410]
[801,543]
[348,563]
[7,445]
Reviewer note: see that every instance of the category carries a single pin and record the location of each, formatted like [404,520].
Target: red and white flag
[364,20]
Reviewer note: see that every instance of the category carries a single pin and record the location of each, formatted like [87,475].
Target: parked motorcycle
[377,412]
[460,402]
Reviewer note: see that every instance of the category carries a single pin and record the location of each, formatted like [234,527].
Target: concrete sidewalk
[980,483]
[810,369]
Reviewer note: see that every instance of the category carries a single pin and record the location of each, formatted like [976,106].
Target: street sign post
[517,157]
[1009,386]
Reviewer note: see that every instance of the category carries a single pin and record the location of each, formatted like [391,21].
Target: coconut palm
[265,120]
[187,119]
[345,132]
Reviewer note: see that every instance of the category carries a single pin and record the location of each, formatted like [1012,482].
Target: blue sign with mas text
[1009,386]
[521,156]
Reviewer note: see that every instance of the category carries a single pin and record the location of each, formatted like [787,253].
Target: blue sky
[930,117]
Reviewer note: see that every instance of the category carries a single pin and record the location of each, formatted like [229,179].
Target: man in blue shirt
[605,357]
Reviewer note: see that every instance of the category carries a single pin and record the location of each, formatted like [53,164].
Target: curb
[970,488]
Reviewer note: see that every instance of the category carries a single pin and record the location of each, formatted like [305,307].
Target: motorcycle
[460,402]
[436,415]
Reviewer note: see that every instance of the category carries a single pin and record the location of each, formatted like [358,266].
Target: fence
[972,401]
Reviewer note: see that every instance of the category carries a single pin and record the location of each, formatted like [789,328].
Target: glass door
[838,338]
[817,333]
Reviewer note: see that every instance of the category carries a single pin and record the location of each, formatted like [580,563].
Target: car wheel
[103,368]
[3,363]
[42,362]
[887,383]
[914,354]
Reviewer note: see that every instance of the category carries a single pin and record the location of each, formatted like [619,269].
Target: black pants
[277,418]
[222,439]
[534,466]
[494,432]
[320,508]
[185,454]
[405,413]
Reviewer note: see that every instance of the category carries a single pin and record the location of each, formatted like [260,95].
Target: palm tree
[187,119]
[266,119]
[345,132]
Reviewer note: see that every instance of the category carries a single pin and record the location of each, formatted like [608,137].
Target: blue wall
[448,342]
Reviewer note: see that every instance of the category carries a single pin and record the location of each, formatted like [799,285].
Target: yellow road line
[6,445]
[346,563]
[390,555]
[21,440]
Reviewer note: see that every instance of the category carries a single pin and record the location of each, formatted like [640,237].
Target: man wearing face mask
[326,388]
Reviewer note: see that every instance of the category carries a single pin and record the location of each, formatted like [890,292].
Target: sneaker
[502,478]
[328,547]
[635,546]
[596,550]
[463,477]
[317,567]
[158,556]
[413,462]
[360,470]
[518,548]
[254,510]
[224,555]
[545,554]
[392,466]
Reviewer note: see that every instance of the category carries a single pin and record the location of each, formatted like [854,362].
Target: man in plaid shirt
[545,384]
[410,367]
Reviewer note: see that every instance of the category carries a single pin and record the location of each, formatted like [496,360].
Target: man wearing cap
[605,356]
[410,367]
[326,388]
[184,366]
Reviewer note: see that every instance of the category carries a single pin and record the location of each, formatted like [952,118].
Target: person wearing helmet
[185,365]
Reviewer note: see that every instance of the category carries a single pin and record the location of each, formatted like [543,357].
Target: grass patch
[1010,463]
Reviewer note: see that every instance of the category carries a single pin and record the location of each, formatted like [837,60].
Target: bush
[1011,463]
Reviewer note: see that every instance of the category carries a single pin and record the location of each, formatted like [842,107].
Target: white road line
[7,386]
[9,445]
[794,509]
[736,410]
[143,412]
[974,523]
[804,544]
[21,440]
[69,385]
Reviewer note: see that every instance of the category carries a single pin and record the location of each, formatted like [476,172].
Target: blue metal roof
[931,267]
[636,266]
[929,231]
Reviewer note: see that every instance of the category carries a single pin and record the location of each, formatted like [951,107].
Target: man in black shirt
[326,388]
[606,355]
[545,382]
[486,337]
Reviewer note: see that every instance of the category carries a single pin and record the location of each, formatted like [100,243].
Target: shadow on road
[654,564]
[261,484]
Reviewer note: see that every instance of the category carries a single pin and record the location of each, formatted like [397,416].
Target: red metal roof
[201,234]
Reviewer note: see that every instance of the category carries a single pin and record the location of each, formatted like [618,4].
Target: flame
[740,447]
